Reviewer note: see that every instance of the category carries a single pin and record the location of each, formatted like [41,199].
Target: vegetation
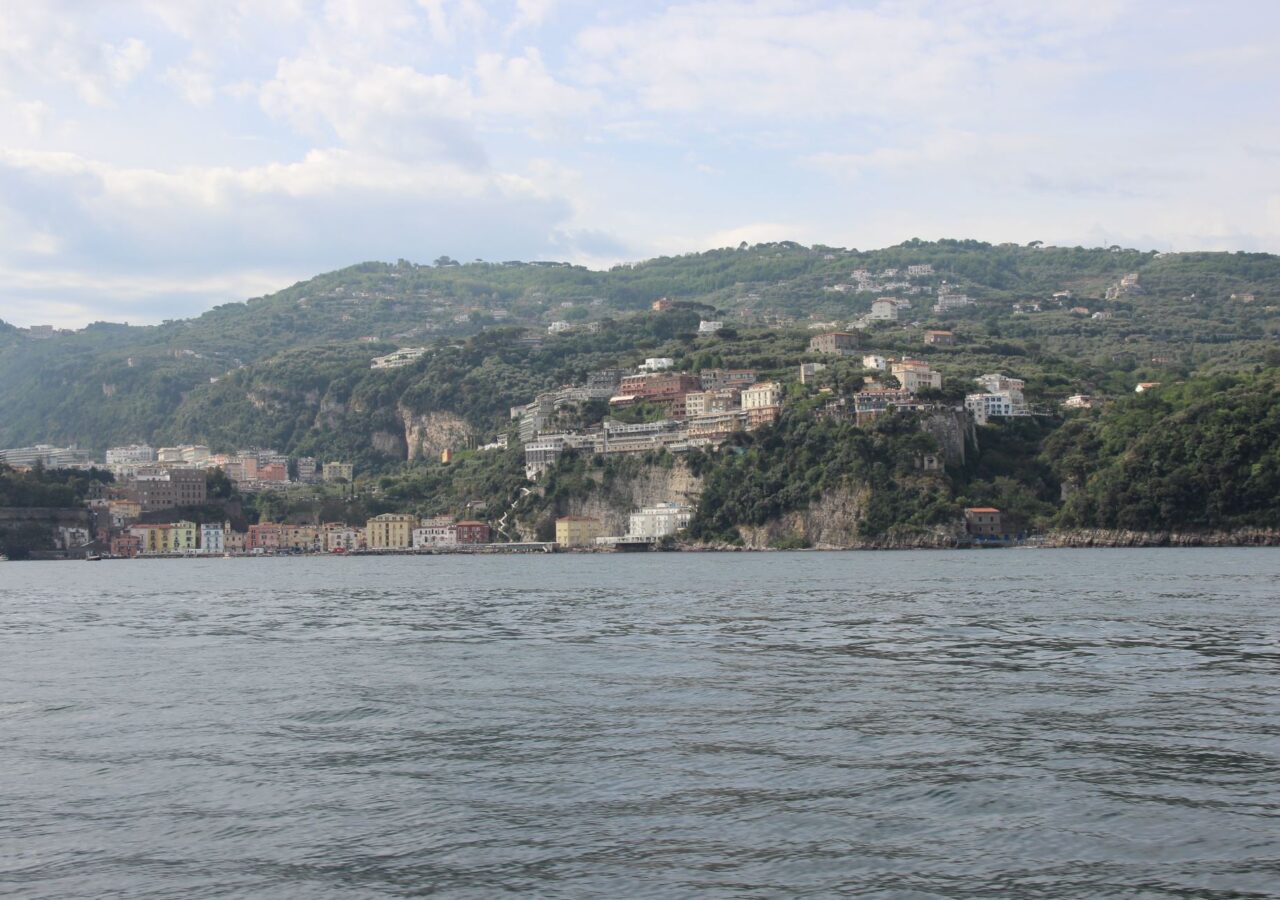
[292,371]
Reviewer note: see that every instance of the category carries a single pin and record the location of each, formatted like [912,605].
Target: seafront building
[659,521]
[390,531]
[578,531]
[212,538]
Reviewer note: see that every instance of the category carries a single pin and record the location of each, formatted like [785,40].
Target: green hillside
[292,371]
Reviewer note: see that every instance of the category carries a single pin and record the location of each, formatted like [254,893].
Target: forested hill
[1189,313]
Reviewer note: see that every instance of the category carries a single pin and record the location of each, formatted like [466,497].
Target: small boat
[93,558]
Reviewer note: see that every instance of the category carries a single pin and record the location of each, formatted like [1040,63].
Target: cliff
[613,501]
[1106,537]
[837,521]
[426,434]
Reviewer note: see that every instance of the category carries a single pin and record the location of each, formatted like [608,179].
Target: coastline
[1077,539]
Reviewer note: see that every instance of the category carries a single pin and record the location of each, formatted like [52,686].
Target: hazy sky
[158,157]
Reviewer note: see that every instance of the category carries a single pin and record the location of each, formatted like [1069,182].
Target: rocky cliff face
[426,434]
[648,487]
[834,523]
[1103,537]
[955,433]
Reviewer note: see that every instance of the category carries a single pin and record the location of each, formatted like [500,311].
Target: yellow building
[174,537]
[303,538]
[578,531]
[390,531]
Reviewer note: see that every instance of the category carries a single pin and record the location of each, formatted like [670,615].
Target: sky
[159,157]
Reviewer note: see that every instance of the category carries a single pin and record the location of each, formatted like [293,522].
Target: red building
[263,537]
[126,545]
[471,532]
[665,389]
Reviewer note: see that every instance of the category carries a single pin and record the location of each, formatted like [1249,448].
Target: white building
[997,403]
[873,361]
[338,537]
[659,521]
[436,532]
[1078,401]
[558,327]
[46,455]
[212,538]
[915,376]
[124,461]
[920,270]
[884,309]
[759,396]
[656,364]
[709,327]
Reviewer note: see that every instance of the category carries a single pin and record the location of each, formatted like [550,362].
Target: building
[338,471]
[160,488]
[762,403]
[871,402]
[712,427]
[190,455]
[841,343]
[702,403]
[662,304]
[999,382]
[984,522]
[308,470]
[212,538]
[265,537]
[763,394]
[656,364]
[559,327]
[234,541]
[666,390]
[436,532]
[48,456]
[126,545]
[390,531]
[659,521]
[996,403]
[949,298]
[809,372]
[168,537]
[884,309]
[709,327]
[301,538]
[469,531]
[123,512]
[875,361]
[715,379]
[1079,401]
[940,338]
[919,270]
[915,375]
[339,537]
[405,356]
[125,461]
[578,531]
[1144,386]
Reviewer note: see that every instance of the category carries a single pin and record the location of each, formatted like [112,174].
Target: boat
[93,558]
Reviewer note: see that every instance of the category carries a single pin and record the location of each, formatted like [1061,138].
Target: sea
[991,723]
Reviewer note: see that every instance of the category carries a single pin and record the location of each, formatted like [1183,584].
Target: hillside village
[615,423]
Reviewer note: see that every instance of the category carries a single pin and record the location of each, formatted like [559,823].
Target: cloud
[332,208]
[392,110]
[149,144]
[819,62]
